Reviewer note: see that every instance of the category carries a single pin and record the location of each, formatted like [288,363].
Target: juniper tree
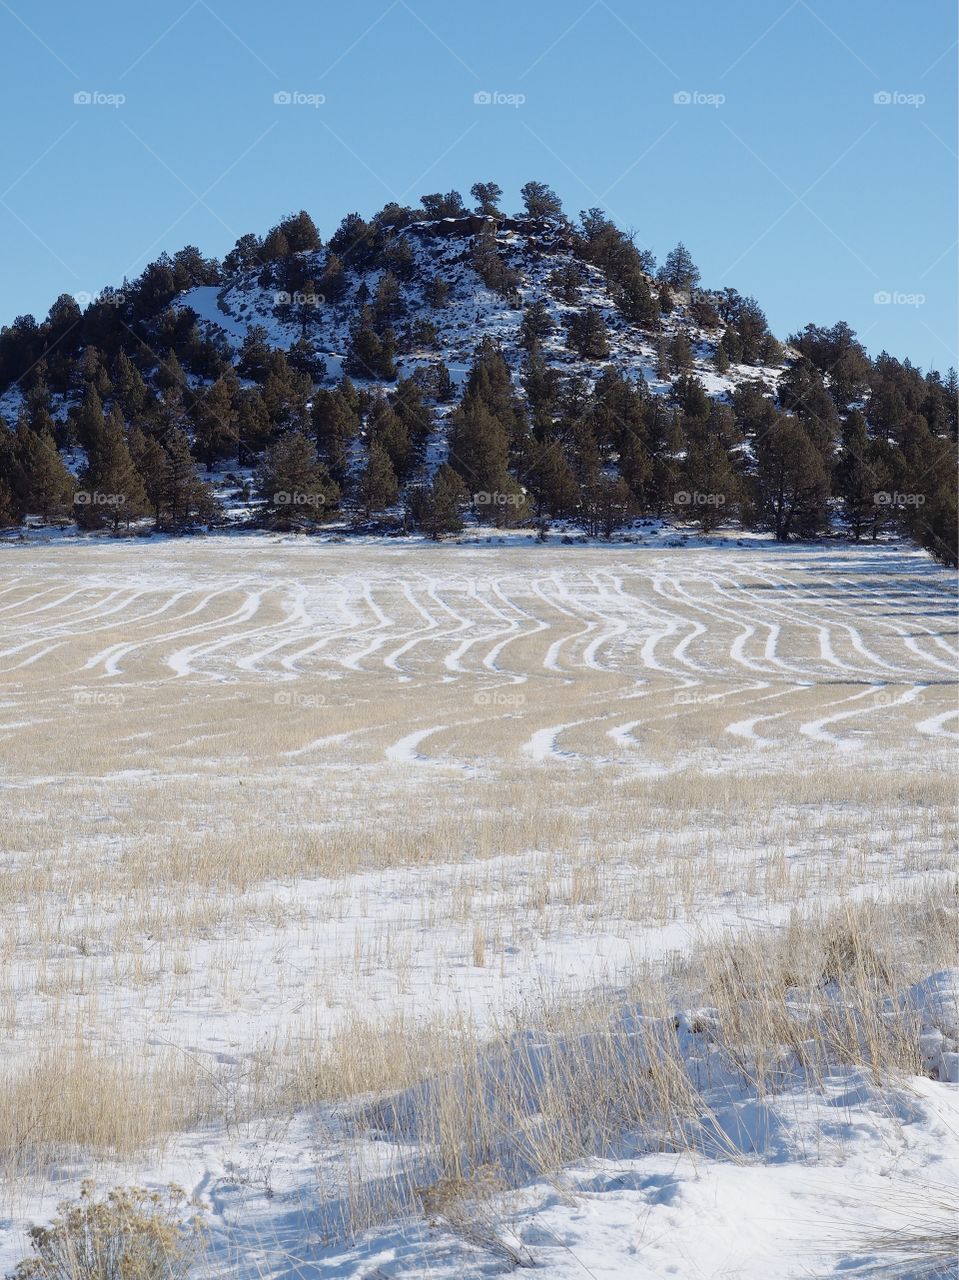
[42,484]
[110,481]
[294,485]
[540,201]
[487,196]
[438,508]
[679,271]
[792,481]
[378,485]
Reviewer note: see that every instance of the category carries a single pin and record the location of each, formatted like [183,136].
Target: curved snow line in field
[180,661]
[404,751]
[816,728]
[418,634]
[934,725]
[799,601]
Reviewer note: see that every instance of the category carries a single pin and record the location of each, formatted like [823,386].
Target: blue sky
[782,172]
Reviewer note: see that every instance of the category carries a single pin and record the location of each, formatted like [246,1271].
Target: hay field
[287,823]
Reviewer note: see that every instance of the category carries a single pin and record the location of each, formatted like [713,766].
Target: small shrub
[130,1234]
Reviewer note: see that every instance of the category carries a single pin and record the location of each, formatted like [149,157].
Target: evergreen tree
[89,420]
[216,422]
[438,509]
[42,485]
[437,292]
[588,335]
[855,478]
[389,431]
[295,486]
[540,201]
[679,271]
[336,424]
[369,355]
[152,464]
[378,487]
[680,353]
[792,479]
[110,481]
[487,196]
[537,324]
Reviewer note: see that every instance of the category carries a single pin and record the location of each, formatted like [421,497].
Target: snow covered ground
[286,819]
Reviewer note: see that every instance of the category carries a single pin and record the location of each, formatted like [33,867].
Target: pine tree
[487,196]
[254,354]
[186,497]
[438,509]
[792,480]
[680,353]
[437,292]
[110,481]
[42,485]
[588,335]
[216,422]
[854,476]
[295,486]
[537,324]
[378,487]
[540,201]
[152,464]
[369,355]
[389,430]
[89,419]
[679,271]
[129,386]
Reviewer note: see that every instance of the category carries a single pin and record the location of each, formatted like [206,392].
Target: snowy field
[430,911]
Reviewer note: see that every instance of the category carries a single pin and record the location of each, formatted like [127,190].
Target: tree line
[154,402]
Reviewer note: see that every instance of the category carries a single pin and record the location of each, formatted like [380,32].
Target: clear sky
[781,171]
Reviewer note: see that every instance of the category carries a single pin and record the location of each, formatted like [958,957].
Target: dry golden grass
[252,790]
